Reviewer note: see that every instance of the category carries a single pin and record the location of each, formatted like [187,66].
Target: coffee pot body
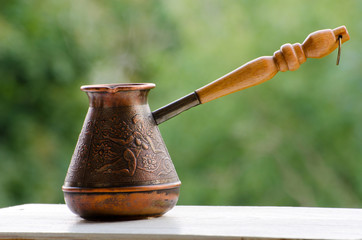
[120,165]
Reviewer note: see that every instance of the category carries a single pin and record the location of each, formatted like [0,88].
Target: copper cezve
[121,168]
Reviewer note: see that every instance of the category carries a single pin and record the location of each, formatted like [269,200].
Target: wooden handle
[289,57]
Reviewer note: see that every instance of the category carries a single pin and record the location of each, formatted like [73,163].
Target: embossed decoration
[120,146]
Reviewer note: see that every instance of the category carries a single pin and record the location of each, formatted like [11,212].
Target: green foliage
[295,140]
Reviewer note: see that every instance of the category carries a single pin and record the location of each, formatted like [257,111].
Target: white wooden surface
[44,221]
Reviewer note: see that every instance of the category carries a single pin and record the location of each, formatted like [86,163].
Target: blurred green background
[294,140]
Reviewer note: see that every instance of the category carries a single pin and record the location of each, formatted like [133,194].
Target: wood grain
[289,57]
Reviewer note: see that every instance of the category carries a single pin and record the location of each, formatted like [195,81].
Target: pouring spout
[171,110]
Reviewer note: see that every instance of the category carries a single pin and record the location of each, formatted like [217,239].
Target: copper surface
[115,87]
[120,161]
[122,189]
[112,204]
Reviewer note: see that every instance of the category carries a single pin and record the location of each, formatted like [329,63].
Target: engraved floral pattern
[121,146]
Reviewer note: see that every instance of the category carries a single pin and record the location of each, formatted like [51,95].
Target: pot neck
[117,95]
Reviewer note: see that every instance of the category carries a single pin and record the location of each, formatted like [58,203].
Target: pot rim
[116,87]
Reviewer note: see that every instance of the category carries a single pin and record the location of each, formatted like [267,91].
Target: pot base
[121,203]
